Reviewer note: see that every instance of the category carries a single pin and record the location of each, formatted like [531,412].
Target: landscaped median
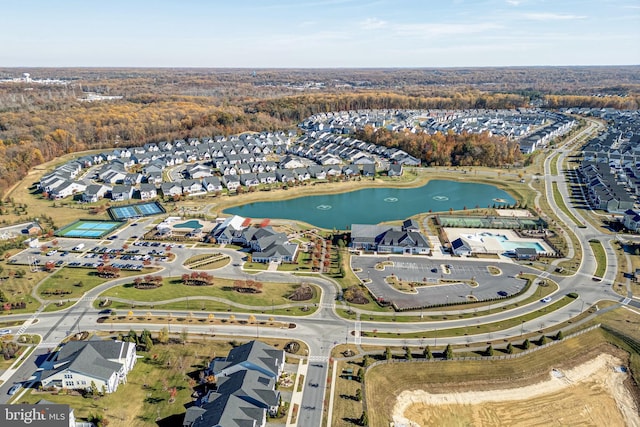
[249,296]
[185,319]
[481,328]
[209,261]
[601,257]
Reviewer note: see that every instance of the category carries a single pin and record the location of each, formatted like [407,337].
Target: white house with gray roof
[79,363]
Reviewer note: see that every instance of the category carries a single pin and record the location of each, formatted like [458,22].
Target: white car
[5,331]
[545,299]
[14,388]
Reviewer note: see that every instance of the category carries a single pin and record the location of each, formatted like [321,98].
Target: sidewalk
[332,392]
[296,396]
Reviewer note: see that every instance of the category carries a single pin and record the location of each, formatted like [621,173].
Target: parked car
[14,389]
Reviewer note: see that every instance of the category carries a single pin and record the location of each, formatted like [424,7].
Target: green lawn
[77,281]
[272,293]
[600,256]
[557,197]
[554,164]
[196,305]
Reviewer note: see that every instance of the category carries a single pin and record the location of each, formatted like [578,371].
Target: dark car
[105,311]
[503,293]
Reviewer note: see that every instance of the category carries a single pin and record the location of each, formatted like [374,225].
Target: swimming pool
[511,246]
[194,223]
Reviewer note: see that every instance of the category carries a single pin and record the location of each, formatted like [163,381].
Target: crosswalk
[318,359]
[29,321]
[626,301]
[357,333]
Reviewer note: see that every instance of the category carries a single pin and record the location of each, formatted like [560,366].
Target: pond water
[376,205]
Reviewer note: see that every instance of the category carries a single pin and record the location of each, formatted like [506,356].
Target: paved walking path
[332,392]
[296,396]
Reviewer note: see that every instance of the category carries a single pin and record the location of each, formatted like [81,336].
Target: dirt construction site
[590,394]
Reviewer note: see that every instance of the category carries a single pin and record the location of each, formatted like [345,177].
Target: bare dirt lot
[592,393]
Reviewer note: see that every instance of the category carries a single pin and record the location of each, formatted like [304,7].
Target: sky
[318,33]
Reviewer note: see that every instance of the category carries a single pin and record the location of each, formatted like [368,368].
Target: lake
[376,205]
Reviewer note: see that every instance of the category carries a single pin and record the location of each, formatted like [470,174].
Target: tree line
[448,149]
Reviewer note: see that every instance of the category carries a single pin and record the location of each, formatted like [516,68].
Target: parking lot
[122,249]
[422,269]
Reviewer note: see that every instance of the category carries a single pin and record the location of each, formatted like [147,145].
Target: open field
[385,382]
[589,394]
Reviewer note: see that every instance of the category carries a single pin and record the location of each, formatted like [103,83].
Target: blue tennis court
[135,211]
[90,229]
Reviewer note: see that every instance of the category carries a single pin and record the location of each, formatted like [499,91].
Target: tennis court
[90,229]
[489,222]
[120,213]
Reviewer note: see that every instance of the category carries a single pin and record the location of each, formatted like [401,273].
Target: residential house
[191,186]
[66,189]
[94,192]
[254,356]
[120,193]
[211,184]
[232,182]
[148,191]
[171,189]
[81,364]
[631,220]
[395,169]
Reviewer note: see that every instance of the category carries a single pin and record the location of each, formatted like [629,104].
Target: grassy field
[17,287]
[346,408]
[385,382]
[600,256]
[62,212]
[272,293]
[77,281]
[144,400]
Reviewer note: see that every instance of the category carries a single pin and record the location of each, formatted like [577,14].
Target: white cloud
[551,17]
[372,24]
